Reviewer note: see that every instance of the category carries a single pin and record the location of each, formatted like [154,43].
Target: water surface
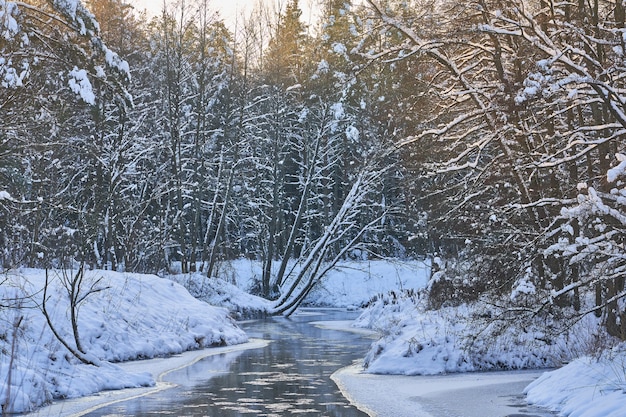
[291,376]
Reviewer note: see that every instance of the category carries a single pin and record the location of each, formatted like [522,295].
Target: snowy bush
[471,337]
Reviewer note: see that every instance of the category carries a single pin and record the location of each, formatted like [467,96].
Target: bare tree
[529,115]
[73,284]
[344,228]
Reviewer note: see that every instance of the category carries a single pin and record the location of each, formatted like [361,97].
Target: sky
[227,8]
[230,9]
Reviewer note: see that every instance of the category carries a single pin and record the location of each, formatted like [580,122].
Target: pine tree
[285,59]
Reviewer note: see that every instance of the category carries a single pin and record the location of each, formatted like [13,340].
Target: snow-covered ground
[350,284]
[353,284]
[134,316]
[416,341]
[218,292]
[587,387]
[129,316]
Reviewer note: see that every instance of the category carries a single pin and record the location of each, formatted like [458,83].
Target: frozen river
[481,394]
[303,369]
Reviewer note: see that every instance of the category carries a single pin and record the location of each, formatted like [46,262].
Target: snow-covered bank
[419,341]
[217,292]
[467,394]
[142,316]
[135,316]
[158,369]
[126,317]
[587,387]
[349,284]
[354,283]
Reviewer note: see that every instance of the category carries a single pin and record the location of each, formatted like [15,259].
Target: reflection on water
[291,376]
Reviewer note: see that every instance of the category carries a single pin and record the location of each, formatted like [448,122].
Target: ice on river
[484,394]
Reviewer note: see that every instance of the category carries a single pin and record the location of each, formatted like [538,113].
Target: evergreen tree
[285,57]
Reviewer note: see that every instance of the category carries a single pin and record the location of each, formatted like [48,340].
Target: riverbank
[135,316]
[500,393]
[120,317]
[157,368]
[419,366]
[588,387]
[124,316]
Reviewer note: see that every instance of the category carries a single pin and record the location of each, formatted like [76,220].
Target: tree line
[488,136]
[517,146]
[182,143]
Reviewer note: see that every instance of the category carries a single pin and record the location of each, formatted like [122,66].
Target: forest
[487,136]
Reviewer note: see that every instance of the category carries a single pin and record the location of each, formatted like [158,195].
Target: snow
[8,25]
[133,316]
[350,284]
[533,85]
[587,387]
[416,340]
[523,286]
[9,76]
[352,133]
[323,67]
[469,395]
[338,111]
[217,292]
[420,360]
[416,363]
[354,283]
[620,170]
[113,60]
[68,7]
[79,83]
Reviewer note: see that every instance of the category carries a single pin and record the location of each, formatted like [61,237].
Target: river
[291,375]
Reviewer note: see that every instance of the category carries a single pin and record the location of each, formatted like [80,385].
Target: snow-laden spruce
[125,317]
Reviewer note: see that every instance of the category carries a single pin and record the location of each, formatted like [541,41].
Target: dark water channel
[291,376]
